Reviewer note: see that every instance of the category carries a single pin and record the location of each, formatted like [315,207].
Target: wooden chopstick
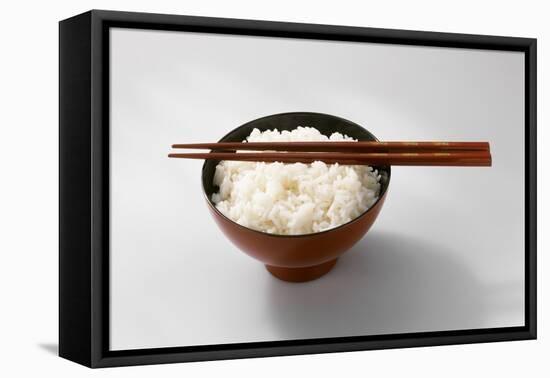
[360,146]
[462,159]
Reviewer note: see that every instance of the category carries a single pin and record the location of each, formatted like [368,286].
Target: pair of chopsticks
[463,154]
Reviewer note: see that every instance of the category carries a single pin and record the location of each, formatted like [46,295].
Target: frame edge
[75,273]
[531,181]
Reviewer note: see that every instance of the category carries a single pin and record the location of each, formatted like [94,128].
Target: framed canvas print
[354,188]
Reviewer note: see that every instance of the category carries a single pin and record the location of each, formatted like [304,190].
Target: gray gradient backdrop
[446,253]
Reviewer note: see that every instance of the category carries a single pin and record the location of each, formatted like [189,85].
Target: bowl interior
[325,123]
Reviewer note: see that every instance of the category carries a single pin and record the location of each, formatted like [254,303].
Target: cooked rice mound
[297,198]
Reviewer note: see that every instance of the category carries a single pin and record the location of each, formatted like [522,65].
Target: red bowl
[296,258]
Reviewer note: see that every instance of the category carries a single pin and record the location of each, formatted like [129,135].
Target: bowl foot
[308,273]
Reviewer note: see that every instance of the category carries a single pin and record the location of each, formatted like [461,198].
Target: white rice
[293,199]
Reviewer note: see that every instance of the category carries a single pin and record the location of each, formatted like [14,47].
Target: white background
[28,153]
[436,258]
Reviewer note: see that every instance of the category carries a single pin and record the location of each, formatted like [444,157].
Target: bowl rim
[381,195]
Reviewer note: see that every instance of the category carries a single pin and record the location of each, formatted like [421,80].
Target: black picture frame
[84,183]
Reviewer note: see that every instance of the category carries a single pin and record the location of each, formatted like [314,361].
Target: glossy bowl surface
[305,257]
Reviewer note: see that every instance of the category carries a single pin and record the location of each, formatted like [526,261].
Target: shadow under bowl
[296,258]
